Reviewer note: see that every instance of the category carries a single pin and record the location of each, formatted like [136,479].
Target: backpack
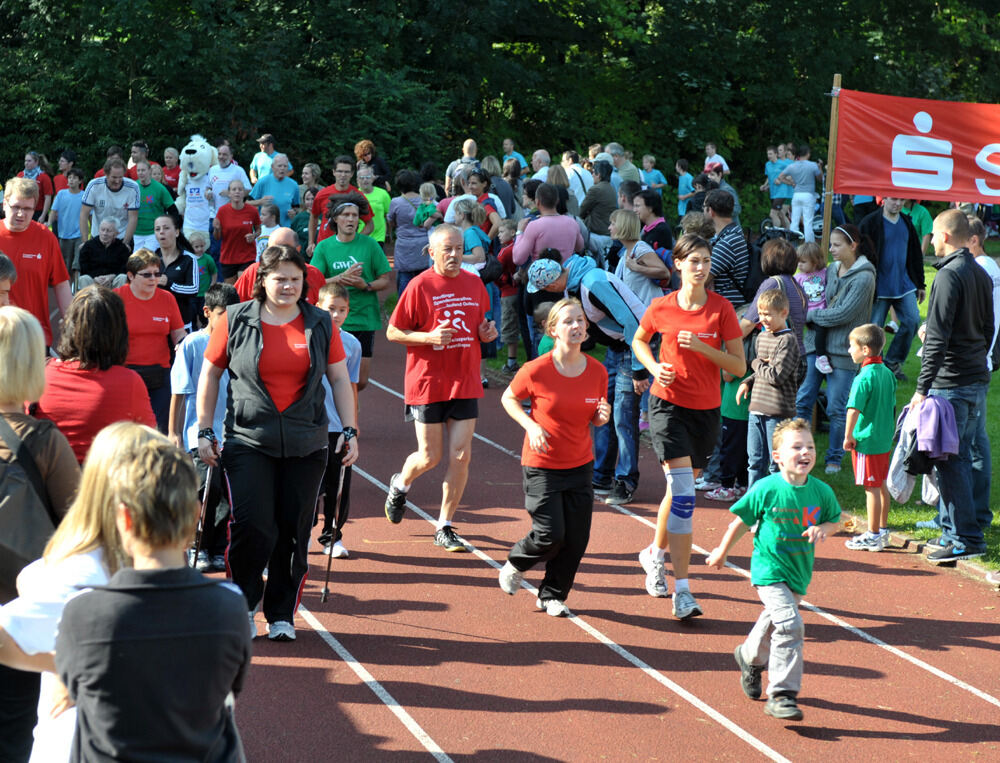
[26,518]
[755,273]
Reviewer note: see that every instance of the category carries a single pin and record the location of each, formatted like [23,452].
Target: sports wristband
[207,434]
[349,434]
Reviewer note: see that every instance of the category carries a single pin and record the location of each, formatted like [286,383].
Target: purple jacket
[937,435]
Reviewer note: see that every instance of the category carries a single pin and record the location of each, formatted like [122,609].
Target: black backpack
[26,518]
[755,273]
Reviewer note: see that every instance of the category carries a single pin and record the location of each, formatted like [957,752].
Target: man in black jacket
[899,282]
[958,338]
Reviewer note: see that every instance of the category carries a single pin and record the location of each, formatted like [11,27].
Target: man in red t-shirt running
[441,319]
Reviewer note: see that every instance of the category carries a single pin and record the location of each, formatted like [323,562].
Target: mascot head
[198,156]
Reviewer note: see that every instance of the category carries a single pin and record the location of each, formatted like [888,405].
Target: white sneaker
[337,550]
[553,607]
[823,365]
[281,631]
[656,576]
[702,484]
[832,469]
[253,626]
[685,605]
[510,578]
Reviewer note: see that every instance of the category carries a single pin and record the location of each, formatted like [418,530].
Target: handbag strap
[23,456]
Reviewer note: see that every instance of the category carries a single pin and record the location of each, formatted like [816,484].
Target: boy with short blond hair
[793,511]
[773,385]
[868,433]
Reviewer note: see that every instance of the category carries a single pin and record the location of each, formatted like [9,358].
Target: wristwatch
[349,434]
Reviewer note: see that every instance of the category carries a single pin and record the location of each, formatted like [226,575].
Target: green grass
[902,518]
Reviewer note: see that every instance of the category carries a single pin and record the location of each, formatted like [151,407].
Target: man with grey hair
[626,169]
[278,188]
[441,320]
[540,161]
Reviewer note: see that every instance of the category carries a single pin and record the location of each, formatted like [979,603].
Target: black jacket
[959,325]
[96,259]
[871,226]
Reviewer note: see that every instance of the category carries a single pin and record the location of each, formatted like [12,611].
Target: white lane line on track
[953,680]
[586,627]
[377,689]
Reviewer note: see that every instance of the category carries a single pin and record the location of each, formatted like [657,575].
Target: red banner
[918,149]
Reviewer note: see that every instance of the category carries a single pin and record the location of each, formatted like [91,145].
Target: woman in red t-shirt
[567,391]
[699,334]
[36,167]
[171,168]
[154,327]
[236,226]
[276,441]
[88,387]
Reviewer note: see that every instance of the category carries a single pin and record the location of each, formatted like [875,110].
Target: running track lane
[475,673]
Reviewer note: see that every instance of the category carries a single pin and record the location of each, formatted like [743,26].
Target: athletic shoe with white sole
[685,606]
[702,485]
[281,631]
[337,550]
[656,574]
[510,578]
[865,542]
[953,552]
[395,502]
[448,540]
[553,607]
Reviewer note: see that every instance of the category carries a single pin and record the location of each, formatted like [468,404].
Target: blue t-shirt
[184,376]
[261,163]
[892,280]
[67,205]
[772,170]
[685,185]
[352,349]
[284,191]
[862,199]
[473,237]
[514,155]
[653,176]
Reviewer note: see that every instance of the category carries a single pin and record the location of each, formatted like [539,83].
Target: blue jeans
[908,317]
[982,470]
[403,277]
[760,435]
[616,444]
[838,388]
[956,507]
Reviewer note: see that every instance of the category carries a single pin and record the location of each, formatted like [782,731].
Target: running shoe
[726,494]
[783,707]
[601,491]
[823,365]
[510,578]
[702,484]
[832,469]
[685,606]
[281,631]
[553,607]
[447,539]
[656,575]
[865,542]
[620,494]
[218,563]
[953,552]
[337,550]
[395,502]
[749,674]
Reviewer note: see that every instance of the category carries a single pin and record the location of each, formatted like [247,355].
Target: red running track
[418,654]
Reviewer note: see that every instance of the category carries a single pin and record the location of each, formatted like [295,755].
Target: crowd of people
[243,329]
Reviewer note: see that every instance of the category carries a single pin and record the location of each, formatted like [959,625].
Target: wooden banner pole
[831,163]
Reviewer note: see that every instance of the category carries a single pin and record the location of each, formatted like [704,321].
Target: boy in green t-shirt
[793,512]
[868,433]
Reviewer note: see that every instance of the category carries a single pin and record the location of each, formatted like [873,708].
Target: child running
[566,388]
[694,326]
[781,566]
[869,431]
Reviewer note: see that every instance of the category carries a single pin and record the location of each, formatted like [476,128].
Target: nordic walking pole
[201,516]
[336,510]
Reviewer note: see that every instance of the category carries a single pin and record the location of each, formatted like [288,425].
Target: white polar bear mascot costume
[194,189]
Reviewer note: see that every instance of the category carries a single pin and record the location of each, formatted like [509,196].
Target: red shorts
[870,470]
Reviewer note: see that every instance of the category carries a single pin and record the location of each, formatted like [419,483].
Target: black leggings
[273,501]
[561,503]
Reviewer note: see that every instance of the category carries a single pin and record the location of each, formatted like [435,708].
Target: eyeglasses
[150,275]
[24,210]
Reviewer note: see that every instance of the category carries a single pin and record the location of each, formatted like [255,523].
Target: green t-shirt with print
[154,200]
[780,553]
[873,395]
[332,257]
[379,201]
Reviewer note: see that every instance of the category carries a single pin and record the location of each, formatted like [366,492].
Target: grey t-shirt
[804,172]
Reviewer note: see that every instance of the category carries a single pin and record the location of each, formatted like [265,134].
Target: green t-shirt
[780,553]
[545,344]
[730,408]
[154,200]
[379,201]
[333,257]
[921,219]
[873,395]
[206,269]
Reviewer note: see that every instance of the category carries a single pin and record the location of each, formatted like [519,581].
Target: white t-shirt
[32,620]
[111,205]
[198,210]
[717,158]
[993,271]
[220,178]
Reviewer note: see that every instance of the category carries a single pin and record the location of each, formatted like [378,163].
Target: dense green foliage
[418,77]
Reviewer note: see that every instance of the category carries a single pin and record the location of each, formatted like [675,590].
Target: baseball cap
[266,138]
[543,273]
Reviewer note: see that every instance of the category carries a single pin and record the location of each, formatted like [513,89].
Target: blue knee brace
[680,482]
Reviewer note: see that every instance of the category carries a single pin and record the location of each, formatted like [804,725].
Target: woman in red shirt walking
[567,391]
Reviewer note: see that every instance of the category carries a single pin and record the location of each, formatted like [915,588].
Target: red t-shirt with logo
[39,265]
[150,323]
[171,176]
[322,200]
[563,406]
[435,374]
[715,323]
[284,358]
[236,224]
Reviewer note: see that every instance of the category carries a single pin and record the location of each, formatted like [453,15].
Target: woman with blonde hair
[84,551]
[568,203]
